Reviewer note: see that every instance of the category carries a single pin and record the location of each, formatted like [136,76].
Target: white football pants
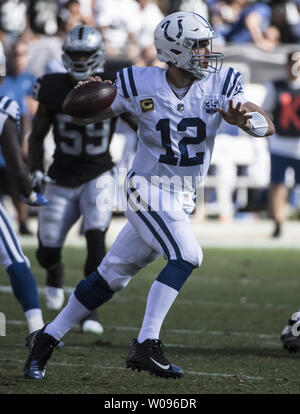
[157,226]
[10,248]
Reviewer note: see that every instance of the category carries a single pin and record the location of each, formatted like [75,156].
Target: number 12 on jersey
[163,126]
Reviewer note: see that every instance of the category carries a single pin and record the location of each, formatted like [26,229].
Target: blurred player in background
[18,86]
[282,102]
[81,157]
[12,257]
[179,112]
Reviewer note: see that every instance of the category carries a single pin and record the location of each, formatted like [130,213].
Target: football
[89,99]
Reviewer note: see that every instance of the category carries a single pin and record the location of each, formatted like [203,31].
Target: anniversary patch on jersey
[211,106]
[147,105]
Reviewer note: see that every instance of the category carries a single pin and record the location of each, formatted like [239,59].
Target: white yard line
[177,331]
[242,302]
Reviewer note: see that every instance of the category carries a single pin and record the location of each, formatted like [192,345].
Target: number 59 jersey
[81,151]
[176,136]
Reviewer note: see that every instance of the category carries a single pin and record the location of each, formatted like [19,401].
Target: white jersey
[176,136]
[8,108]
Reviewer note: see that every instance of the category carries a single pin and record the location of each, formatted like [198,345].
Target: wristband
[258,125]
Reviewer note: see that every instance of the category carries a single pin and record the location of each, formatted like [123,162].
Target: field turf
[223,330]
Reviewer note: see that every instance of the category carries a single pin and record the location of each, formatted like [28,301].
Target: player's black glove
[39,181]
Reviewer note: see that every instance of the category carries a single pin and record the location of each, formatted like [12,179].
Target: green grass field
[223,330]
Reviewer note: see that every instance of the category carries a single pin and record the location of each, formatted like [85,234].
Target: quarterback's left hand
[35,199]
[236,116]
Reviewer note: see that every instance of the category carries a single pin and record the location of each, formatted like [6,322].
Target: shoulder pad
[48,84]
[232,82]
[51,89]
[135,81]
[10,107]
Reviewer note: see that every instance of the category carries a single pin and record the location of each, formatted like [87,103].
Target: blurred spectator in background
[164,6]
[43,16]
[286,17]
[18,86]
[294,19]
[283,102]
[45,40]
[13,20]
[87,8]
[73,13]
[224,14]
[119,23]
[150,15]
[253,25]
[18,83]
[198,6]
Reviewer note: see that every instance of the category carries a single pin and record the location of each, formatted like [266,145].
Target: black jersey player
[81,159]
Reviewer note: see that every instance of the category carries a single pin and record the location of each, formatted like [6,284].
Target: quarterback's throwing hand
[236,116]
[92,79]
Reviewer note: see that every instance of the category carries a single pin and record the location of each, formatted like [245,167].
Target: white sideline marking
[177,331]
[179,302]
[213,374]
[98,366]
[203,331]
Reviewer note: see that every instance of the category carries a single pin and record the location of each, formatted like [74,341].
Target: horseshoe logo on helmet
[165,27]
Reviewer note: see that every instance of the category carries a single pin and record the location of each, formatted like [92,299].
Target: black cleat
[277,230]
[41,346]
[24,230]
[290,341]
[148,356]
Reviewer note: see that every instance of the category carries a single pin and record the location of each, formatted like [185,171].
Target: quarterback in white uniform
[179,110]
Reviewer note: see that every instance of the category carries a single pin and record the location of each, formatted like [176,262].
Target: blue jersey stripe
[7,103]
[125,93]
[237,75]
[240,89]
[11,232]
[131,81]
[167,232]
[151,228]
[155,234]
[161,223]
[7,248]
[227,80]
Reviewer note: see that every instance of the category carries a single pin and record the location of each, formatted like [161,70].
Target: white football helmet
[83,40]
[176,36]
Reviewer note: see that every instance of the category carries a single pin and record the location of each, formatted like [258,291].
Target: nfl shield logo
[180,107]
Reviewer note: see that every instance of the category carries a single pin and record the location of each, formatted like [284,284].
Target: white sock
[34,319]
[69,316]
[160,300]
